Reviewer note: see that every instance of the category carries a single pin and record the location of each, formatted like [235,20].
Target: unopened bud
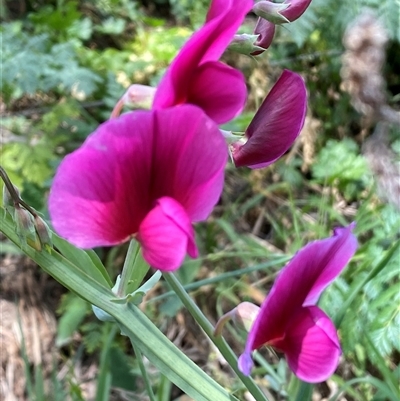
[243,317]
[8,200]
[25,228]
[244,44]
[296,9]
[137,96]
[271,11]
[43,233]
[265,31]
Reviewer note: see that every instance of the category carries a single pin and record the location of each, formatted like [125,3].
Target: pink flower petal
[166,235]
[195,150]
[103,191]
[339,251]
[99,194]
[245,363]
[217,84]
[311,345]
[310,271]
[276,124]
[207,44]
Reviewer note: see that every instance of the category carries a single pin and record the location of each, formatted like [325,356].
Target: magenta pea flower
[196,76]
[276,124]
[146,175]
[288,319]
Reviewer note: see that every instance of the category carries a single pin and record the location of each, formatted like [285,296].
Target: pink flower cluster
[151,174]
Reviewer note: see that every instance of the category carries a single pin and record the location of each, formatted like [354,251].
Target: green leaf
[84,259]
[359,285]
[120,369]
[390,378]
[75,311]
[104,378]
[112,26]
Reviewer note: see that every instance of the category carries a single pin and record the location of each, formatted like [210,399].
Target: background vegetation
[65,64]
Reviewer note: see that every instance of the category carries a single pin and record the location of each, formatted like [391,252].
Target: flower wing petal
[311,345]
[219,90]
[166,235]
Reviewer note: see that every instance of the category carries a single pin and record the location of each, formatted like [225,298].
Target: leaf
[33,63]
[339,161]
[112,26]
[88,263]
[121,371]
[389,11]
[72,317]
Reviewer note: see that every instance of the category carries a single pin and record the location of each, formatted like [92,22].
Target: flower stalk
[218,341]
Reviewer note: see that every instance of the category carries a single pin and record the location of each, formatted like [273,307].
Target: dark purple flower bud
[296,9]
[265,31]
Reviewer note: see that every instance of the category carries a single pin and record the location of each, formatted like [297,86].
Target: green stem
[262,362]
[127,268]
[208,328]
[13,193]
[304,391]
[225,276]
[133,271]
[145,376]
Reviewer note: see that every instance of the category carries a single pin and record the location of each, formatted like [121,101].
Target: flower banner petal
[103,191]
[166,235]
[265,31]
[99,193]
[195,149]
[336,253]
[276,124]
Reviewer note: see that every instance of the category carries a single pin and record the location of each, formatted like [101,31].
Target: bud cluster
[30,227]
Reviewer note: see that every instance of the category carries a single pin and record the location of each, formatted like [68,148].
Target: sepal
[271,11]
